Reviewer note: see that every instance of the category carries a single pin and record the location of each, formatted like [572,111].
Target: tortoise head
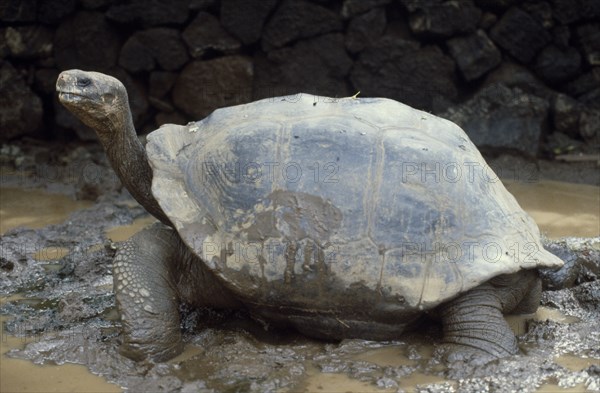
[93,97]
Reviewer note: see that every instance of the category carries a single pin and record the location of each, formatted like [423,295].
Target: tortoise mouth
[70,96]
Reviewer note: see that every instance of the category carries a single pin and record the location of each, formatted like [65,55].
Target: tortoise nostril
[83,82]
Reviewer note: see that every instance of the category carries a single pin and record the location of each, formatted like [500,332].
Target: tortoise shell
[306,202]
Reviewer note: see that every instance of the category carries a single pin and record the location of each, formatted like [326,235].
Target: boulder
[495,5]
[352,8]
[400,69]
[589,125]
[287,71]
[445,19]
[588,38]
[501,117]
[161,45]
[86,41]
[18,10]
[561,35]
[569,11]
[54,11]
[205,33]
[566,112]
[296,19]
[365,29]
[540,11]
[161,83]
[245,19]
[515,75]
[584,85]
[204,86]
[160,12]
[556,66]
[20,109]
[474,54]
[520,34]
[29,42]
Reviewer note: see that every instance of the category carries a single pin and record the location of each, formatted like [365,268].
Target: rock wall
[517,75]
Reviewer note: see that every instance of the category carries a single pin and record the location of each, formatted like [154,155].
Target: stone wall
[517,75]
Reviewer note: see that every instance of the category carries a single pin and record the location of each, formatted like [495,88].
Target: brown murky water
[560,209]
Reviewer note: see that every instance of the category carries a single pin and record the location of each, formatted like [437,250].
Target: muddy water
[560,209]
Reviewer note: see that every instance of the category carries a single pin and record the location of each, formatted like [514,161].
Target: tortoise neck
[129,160]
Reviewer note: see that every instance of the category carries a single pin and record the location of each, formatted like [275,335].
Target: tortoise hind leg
[474,326]
[145,295]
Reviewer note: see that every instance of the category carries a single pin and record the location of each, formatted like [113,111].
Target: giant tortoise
[342,218]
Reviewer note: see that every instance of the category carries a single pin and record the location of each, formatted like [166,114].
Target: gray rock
[588,37]
[18,10]
[569,11]
[204,86]
[20,109]
[27,42]
[87,41]
[566,112]
[205,33]
[296,19]
[365,29]
[287,71]
[589,125]
[245,18]
[159,44]
[402,70]
[352,8]
[445,19]
[500,117]
[555,65]
[475,54]
[53,11]
[520,34]
[160,12]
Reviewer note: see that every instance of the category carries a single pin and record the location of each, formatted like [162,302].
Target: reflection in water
[34,208]
[560,209]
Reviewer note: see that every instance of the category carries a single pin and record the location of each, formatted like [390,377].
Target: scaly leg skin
[474,327]
[145,295]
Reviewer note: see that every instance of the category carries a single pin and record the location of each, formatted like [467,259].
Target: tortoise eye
[83,82]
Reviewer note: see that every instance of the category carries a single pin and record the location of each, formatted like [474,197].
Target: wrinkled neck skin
[128,157]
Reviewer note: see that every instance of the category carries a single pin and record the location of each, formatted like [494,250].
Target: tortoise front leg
[474,325]
[146,295]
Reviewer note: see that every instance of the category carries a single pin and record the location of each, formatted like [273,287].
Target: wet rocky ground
[64,309]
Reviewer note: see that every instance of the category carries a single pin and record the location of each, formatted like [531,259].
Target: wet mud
[59,322]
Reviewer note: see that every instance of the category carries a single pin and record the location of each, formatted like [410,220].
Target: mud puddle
[64,314]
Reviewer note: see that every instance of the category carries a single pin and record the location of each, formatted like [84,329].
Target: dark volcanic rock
[365,29]
[495,5]
[401,70]
[53,11]
[568,11]
[520,34]
[540,11]
[17,10]
[589,125]
[515,75]
[86,41]
[561,36]
[445,19]
[298,19]
[588,37]
[45,80]
[585,84]
[159,12]
[556,66]
[351,8]
[29,41]
[161,45]
[287,71]
[204,86]
[205,33]
[20,109]
[161,83]
[475,54]
[566,112]
[244,18]
[502,118]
